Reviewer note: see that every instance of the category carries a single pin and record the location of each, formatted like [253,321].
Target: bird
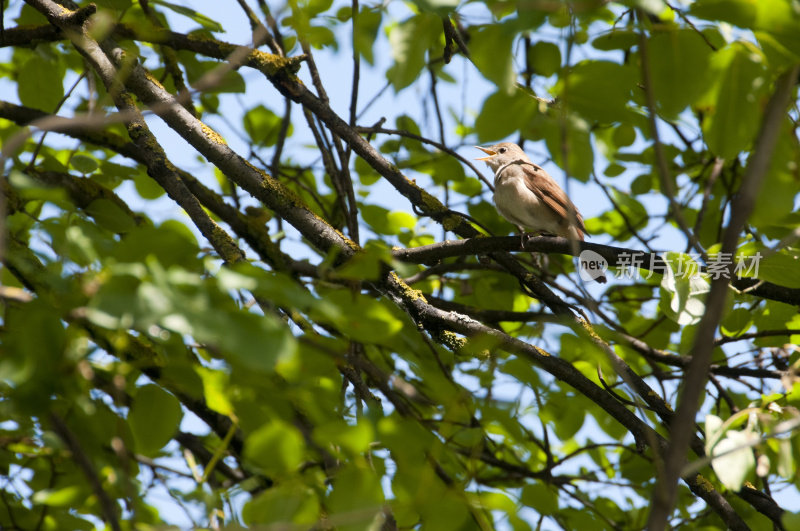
[528,197]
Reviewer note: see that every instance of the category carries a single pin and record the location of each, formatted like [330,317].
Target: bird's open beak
[487,151]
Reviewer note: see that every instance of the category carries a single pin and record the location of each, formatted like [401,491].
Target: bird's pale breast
[522,207]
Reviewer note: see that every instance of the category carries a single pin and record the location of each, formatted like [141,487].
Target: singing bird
[528,197]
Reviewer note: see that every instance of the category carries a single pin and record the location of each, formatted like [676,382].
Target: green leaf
[215,390]
[110,216]
[502,114]
[251,342]
[782,268]
[263,126]
[356,493]
[170,244]
[790,520]
[624,135]
[29,16]
[774,315]
[775,202]
[360,317]
[654,7]
[440,7]
[779,57]
[353,439]
[383,221]
[541,497]
[633,210]
[319,37]
[40,83]
[83,163]
[147,187]
[490,49]
[599,90]
[230,82]
[616,39]
[522,371]
[442,168]
[737,322]
[31,189]
[277,287]
[613,170]
[735,119]
[63,497]
[206,22]
[780,20]
[291,501]
[312,7]
[410,41]
[544,58]
[118,5]
[467,187]
[276,447]
[33,345]
[740,13]
[368,264]
[679,65]
[580,154]
[787,465]
[567,419]
[111,174]
[366,173]
[366,32]
[154,418]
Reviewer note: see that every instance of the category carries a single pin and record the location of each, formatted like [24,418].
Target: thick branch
[430,254]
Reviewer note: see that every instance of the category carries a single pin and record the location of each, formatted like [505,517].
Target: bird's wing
[548,191]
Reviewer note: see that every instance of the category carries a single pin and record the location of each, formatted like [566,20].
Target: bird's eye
[502,150]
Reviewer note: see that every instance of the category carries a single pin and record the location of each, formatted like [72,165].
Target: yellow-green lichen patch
[271,64]
[408,292]
[656,396]
[483,354]
[211,134]
[541,352]
[229,251]
[285,197]
[126,98]
[452,341]
[451,221]
[170,166]
[590,330]
[153,80]
[531,278]
[347,241]
[431,205]
[704,483]
[210,46]
[137,131]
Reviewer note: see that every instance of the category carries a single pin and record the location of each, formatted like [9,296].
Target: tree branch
[431,254]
